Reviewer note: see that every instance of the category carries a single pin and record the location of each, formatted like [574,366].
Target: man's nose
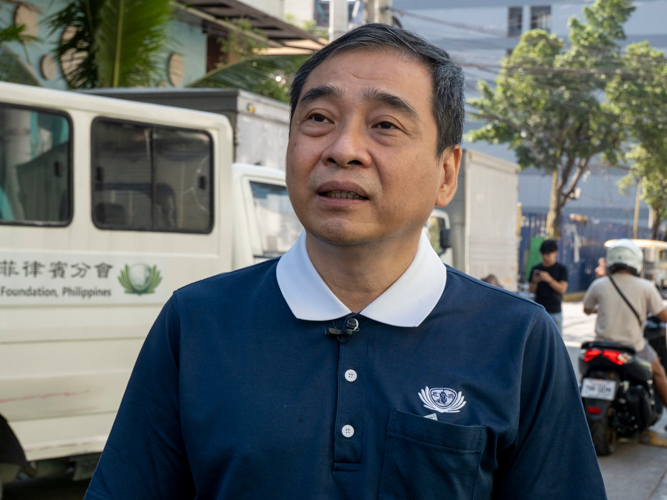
[348,147]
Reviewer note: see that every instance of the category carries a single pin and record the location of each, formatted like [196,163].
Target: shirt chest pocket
[425,459]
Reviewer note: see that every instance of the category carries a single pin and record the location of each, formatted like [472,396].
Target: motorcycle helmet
[624,254]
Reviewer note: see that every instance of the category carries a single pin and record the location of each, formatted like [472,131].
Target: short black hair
[448,78]
[548,246]
[614,268]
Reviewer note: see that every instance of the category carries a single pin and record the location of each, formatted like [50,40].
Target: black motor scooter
[617,390]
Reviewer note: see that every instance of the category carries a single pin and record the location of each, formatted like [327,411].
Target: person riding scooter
[622,300]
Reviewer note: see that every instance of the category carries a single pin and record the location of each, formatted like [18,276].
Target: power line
[462,26]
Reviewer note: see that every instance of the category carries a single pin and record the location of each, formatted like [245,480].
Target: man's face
[361,159]
[549,259]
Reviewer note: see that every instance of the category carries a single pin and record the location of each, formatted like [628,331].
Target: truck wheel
[604,437]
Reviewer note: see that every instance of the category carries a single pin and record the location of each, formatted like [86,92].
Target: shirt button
[348,431]
[350,375]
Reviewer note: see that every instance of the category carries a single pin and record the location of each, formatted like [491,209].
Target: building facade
[194,34]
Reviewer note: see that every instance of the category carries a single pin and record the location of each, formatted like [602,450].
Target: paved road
[635,471]
[59,488]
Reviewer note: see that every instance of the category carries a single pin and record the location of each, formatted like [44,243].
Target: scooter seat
[603,344]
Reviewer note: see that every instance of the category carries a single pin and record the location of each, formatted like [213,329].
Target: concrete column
[369,12]
[525,19]
[337,18]
[383,11]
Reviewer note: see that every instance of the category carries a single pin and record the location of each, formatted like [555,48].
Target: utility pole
[338,19]
[384,11]
[635,226]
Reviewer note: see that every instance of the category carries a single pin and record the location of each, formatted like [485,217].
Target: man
[601,270]
[619,321]
[548,281]
[357,366]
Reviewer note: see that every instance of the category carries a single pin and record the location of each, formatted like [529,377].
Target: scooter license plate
[598,389]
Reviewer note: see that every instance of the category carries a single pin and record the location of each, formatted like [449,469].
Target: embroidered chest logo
[442,400]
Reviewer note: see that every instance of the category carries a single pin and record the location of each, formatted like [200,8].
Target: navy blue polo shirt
[233,396]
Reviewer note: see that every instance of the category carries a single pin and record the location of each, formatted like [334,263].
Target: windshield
[278,225]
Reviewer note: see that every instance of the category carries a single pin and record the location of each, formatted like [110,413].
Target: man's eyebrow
[321,91]
[391,100]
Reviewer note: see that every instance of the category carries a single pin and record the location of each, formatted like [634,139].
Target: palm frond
[130,41]
[255,75]
[13,70]
[12,33]
[74,53]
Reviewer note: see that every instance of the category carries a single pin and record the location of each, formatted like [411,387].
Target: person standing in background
[601,270]
[548,281]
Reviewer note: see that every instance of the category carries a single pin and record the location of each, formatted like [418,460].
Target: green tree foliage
[638,94]
[258,75]
[309,26]
[116,43]
[547,104]
[245,68]
[238,45]
[11,67]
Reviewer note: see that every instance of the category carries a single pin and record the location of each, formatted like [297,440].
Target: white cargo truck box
[483,218]
[106,208]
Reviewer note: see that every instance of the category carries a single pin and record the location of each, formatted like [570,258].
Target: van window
[35,167]
[148,178]
[278,224]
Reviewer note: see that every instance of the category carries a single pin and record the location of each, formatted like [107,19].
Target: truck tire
[604,437]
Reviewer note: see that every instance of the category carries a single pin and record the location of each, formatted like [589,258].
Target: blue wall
[580,247]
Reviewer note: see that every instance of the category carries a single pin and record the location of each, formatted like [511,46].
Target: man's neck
[359,274]
[623,271]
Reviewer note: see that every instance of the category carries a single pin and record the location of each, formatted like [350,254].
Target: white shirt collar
[406,303]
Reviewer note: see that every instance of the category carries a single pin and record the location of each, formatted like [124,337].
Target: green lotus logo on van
[140,279]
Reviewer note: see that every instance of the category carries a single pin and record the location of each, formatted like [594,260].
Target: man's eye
[318,118]
[386,125]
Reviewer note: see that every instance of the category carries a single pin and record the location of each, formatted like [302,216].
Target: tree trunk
[635,224]
[558,220]
[554,209]
[655,224]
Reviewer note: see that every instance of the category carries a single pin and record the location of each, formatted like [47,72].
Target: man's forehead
[391,72]
[367,94]
[400,62]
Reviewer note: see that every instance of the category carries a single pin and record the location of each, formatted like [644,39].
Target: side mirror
[444,238]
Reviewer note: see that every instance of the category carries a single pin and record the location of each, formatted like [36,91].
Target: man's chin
[340,235]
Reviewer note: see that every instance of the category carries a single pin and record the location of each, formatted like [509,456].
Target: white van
[106,208]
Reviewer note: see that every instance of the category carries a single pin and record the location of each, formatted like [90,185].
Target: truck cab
[438,230]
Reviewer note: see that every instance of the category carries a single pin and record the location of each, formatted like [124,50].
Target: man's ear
[451,162]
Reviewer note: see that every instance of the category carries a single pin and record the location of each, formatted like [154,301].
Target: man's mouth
[343,194]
